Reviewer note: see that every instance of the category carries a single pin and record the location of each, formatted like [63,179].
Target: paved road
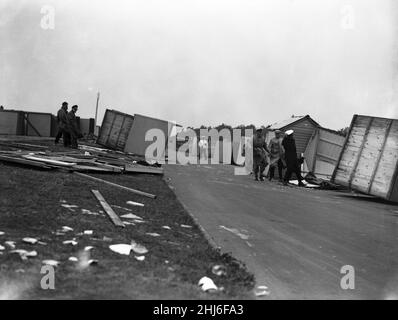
[295,240]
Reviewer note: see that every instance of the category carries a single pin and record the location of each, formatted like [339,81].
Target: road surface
[295,240]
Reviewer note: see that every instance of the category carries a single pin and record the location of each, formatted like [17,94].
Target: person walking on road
[73,128]
[276,155]
[62,119]
[292,163]
[259,155]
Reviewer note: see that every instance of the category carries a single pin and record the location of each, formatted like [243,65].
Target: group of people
[68,127]
[282,154]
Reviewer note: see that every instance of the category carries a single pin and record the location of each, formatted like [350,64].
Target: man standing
[276,154]
[289,145]
[73,128]
[259,155]
[62,124]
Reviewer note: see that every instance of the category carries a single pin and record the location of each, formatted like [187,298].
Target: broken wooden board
[90,168]
[142,193]
[49,161]
[22,145]
[24,162]
[143,169]
[112,215]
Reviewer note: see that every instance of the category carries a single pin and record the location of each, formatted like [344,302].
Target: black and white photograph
[184,152]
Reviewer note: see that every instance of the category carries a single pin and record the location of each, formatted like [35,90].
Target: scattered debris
[69,206]
[73,259]
[129,223]
[2,233]
[207,284]
[112,215]
[20,271]
[30,240]
[153,234]
[138,204]
[11,244]
[140,258]
[166,227]
[130,216]
[121,248]
[72,242]
[219,270]
[262,291]
[139,221]
[24,254]
[236,232]
[66,229]
[186,226]
[138,248]
[88,232]
[2,248]
[85,211]
[53,263]
[107,239]
[88,248]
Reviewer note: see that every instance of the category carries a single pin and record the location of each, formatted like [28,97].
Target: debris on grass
[30,240]
[71,242]
[88,232]
[89,212]
[140,258]
[219,270]
[207,284]
[138,204]
[153,234]
[73,259]
[138,248]
[129,223]
[66,229]
[130,216]
[166,227]
[139,221]
[49,262]
[88,248]
[2,248]
[186,226]
[24,254]
[69,207]
[11,244]
[2,233]
[121,248]
[107,239]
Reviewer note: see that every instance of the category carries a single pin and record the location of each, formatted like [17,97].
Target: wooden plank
[111,214]
[24,161]
[360,152]
[380,155]
[344,148]
[142,193]
[90,168]
[143,169]
[49,161]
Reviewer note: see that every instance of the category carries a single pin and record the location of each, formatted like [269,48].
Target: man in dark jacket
[62,124]
[292,163]
[259,155]
[73,128]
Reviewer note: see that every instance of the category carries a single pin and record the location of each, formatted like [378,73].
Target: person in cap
[62,125]
[259,155]
[292,163]
[73,128]
[276,154]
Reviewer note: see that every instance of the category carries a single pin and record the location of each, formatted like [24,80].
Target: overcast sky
[206,61]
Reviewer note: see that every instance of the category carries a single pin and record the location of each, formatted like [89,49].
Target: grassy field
[31,206]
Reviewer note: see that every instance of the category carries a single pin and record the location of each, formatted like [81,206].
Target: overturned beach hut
[323,151]
[369,159]
[115,129]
